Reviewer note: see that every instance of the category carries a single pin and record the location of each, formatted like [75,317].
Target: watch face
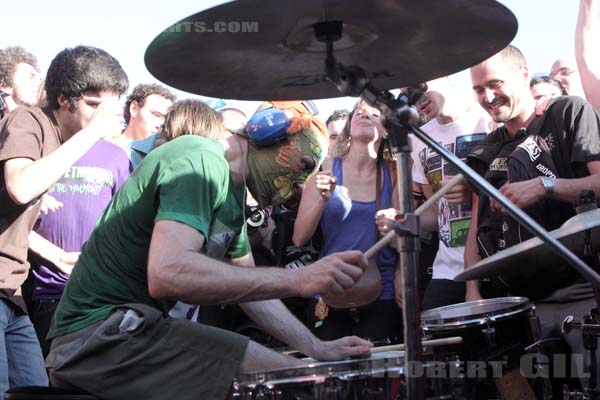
[548,183]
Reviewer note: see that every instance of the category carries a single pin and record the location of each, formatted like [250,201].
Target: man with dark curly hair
[19,79]
[37,147]
[144,111]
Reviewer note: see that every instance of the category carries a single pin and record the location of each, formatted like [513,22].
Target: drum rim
[515,305]
[320,370]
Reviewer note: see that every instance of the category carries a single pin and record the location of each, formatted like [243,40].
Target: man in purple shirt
[84,192]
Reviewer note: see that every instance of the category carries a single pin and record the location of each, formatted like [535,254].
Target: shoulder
[23,115]
[112,151]
[431,126]
[197,143]
[567,104]
[190,147]
[495,135]
[193,154]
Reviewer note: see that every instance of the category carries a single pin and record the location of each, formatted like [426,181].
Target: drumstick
[430,343]
[430,201]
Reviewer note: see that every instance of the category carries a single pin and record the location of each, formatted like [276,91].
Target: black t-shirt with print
[570,130]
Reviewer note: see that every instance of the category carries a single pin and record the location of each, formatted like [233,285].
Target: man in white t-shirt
[457,123]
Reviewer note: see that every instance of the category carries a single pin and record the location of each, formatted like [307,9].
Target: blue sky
[124,28]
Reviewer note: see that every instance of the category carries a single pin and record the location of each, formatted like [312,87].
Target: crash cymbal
[535,255]
[266,49]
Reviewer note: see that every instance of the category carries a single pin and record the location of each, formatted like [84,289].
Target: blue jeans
[21,361]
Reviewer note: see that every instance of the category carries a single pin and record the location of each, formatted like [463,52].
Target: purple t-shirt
[85,190]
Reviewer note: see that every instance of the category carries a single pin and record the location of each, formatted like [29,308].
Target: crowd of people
[129,234]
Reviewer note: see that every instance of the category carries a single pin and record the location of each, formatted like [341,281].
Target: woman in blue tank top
[343,202]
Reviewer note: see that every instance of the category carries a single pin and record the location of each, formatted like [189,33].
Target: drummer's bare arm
[178,271]
[273,317]
[472,253]
[316,193]
[528,192]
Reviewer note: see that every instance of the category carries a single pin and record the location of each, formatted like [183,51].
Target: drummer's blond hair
[191,117]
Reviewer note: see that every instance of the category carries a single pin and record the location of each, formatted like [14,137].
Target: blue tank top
[350,225]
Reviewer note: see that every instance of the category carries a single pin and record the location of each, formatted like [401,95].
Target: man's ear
[524,70]
[134,108]
[62,101]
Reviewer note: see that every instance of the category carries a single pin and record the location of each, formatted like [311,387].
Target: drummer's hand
[348,346]
[325,182]
[332,274]
[460,193]
[522,193]
[386,220]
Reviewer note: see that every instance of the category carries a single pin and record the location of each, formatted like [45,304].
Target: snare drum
[379,377]
[493,330]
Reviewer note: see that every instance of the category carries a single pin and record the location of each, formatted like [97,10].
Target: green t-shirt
[185,180]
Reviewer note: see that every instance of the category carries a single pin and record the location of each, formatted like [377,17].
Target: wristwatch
[548,184]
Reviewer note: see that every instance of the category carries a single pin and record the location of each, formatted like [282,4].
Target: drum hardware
[590,323]
[538,348]
[489,334]
[590,330]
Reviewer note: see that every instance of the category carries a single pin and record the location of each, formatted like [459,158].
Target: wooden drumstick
[428,203]
[425,343]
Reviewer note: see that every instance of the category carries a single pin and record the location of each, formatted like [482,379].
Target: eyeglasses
[564,72]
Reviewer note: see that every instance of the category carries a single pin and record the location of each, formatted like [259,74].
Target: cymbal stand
[590,324]
[587,202]
[590,330]
[352,81]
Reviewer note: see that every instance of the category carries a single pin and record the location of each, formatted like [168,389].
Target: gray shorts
[151,357]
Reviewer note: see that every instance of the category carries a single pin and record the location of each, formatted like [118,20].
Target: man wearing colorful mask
[176,232]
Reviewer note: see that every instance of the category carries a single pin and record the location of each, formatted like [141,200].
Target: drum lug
[489,334]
